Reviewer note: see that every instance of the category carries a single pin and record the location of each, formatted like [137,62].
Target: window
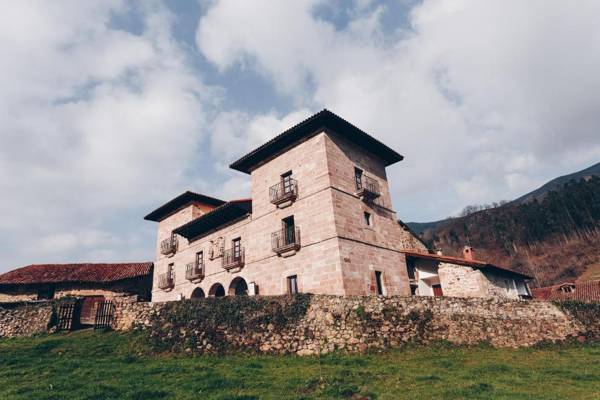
[170,270]
[413,290]
[379,283]
[199,258]
[286,182]
[568,289]
[358,174]
[292,284]
[410,267]
[368,219]
[289,230]
[237,248]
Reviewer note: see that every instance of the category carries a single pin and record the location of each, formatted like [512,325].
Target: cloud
[485,99]
[97,121]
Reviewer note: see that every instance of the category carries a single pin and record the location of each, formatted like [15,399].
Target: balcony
[169,246]
[166,281]
[286,242]
[194,271]
[284,193]
[233,260]
[367,188]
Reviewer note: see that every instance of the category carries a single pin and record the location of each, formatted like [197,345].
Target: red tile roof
[587,291]
[463,261]
[93,273]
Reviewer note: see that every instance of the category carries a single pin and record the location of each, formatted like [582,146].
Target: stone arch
[216,290]
[198,293]
[238,287]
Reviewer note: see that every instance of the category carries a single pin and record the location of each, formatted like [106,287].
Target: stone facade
[338,253]
[438,275]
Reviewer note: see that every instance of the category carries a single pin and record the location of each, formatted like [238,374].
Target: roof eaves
[463,261]
[230,211]
[324,120]
[179,202]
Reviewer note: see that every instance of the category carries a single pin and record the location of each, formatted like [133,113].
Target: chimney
[468,253]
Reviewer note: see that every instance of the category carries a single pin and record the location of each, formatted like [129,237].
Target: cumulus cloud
[96,121]
[485,99]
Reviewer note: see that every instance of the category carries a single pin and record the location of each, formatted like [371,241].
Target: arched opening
[198,293]
[216,290]
[238,287]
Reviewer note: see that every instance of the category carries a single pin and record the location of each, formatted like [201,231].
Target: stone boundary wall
[358,324]
[353,324]
[25,318]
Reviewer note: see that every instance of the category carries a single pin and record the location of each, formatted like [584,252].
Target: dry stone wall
[358,324]
[307,324]
[25,319]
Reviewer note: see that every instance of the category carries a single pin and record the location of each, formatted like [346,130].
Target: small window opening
[378,280]
[292,284]
[368,219]
[410,267]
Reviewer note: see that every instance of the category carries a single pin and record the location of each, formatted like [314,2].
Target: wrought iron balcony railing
[194,271]
[285,240]
[233,259]
[166,281]
[367,188]
[284,192]
[169,245]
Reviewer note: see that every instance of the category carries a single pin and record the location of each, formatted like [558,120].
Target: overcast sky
[110,108]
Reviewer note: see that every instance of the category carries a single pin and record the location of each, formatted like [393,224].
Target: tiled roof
[324,120]
[465,262]
[216,218]
[587,291]
[92,273]
[179,202]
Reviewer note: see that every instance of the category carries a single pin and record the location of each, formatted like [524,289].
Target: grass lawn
[87,365]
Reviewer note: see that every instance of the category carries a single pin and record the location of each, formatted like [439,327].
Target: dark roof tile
[324,120]
[180,201]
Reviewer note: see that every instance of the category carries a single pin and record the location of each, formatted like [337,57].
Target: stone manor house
[319,220]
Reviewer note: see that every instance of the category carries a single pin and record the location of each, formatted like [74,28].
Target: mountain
[552,233]
[557,183]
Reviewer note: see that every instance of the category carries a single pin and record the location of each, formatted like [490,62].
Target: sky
[109,109]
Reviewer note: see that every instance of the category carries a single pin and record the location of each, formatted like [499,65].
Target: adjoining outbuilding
[49,281]
[440,275]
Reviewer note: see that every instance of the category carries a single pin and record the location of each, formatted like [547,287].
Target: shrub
[586,313]
[189,324]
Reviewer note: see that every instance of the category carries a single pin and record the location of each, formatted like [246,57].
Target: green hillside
[87,365]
